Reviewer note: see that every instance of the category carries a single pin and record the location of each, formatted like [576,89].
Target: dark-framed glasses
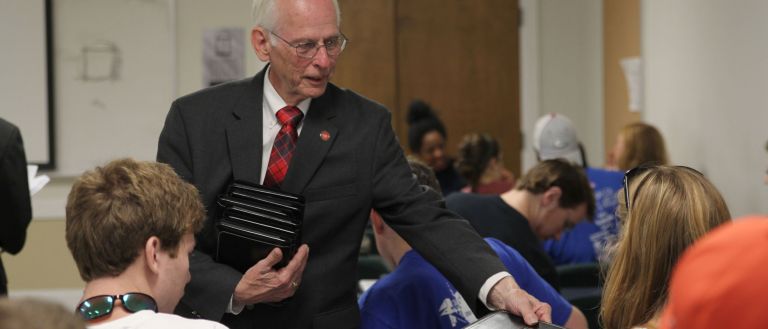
[102,305]
[636,171]
[308,49]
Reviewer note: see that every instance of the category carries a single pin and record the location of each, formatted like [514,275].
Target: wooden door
[367,64]
[461,56]
[621,39]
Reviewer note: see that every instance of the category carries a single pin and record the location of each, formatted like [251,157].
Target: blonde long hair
[671,207]
[642,143]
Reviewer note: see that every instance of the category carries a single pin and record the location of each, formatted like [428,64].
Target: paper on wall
[633,73]
[223,55]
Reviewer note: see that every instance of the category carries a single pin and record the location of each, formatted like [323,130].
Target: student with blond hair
[637,143]
[663,210]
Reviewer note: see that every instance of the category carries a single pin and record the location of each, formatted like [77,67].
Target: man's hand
[262,283]
[507,295]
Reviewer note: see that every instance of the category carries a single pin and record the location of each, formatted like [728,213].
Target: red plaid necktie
[285,143]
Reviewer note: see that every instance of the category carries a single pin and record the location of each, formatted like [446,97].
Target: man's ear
[151,253]
[260,43]
[551,197]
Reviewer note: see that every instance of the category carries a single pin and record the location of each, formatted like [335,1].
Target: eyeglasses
[636,171]
[308,49]
[629,174]
[102,305]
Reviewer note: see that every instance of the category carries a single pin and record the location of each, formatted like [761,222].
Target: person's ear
[493,163]
[152,254]
[260,43]
[551,197]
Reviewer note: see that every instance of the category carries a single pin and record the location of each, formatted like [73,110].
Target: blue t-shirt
[416,295]
[587,241]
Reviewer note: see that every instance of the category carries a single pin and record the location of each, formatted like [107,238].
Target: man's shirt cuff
[487,286]
[236,309]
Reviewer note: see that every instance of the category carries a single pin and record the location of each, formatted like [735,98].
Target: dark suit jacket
[15,206]
[215,135]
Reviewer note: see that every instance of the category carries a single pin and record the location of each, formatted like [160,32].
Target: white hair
[265,15]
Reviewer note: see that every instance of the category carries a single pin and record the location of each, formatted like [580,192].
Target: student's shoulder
[460,200]
[151,320]
[498,246]
[175,321]
[601,174]
[413,273]
[505,252]
[462,197]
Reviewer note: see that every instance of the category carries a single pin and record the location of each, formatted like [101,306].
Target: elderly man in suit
[290,128]
[15,205]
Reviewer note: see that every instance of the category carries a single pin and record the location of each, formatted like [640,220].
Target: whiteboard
[24,75]
[115,69]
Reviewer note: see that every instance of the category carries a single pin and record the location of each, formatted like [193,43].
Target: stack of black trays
[256,219]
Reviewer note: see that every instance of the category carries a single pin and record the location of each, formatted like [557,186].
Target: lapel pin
[325,135]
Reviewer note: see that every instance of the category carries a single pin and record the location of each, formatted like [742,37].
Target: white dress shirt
[272,103]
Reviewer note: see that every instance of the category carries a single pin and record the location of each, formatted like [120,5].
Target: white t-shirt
[150,320]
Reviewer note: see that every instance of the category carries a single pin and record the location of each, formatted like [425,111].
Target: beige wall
[192,18]
[561,69]
[706,76]
[570,42]
[45,262]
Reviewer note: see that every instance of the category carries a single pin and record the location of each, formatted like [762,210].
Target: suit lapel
[317,137]
[244,133]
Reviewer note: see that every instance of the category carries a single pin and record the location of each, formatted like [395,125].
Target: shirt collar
[273,100]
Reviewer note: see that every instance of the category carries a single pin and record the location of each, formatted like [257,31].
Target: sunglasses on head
[102,305]
[636,171]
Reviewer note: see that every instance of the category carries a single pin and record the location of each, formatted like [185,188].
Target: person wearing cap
[719,281]
[664,209]
[551,197]
[554,137]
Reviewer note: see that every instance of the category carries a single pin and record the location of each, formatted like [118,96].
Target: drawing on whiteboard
[116,60]
[101,62]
